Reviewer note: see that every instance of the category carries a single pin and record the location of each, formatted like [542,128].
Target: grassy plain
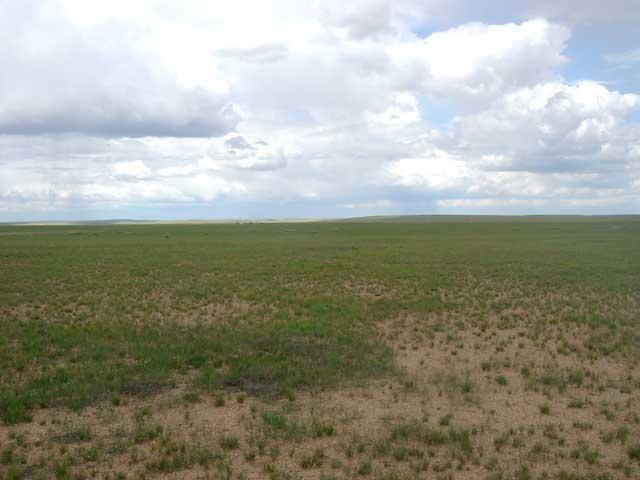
[454,348]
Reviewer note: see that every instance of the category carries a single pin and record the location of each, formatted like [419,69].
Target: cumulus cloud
[438,170]
[311,109]
[552,127]
[241,154]
[360,19]
[58,78]
[404,110]
[477,62]
[237,143]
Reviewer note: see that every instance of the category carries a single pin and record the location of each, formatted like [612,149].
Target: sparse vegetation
[313,460]
[502,350]
[229,442]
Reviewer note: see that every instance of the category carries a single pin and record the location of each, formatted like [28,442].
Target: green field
[138,319]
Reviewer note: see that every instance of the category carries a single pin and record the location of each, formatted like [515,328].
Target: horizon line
[133,221]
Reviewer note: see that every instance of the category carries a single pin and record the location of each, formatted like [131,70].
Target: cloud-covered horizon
[299,109]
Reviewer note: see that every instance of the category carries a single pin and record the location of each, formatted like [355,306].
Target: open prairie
[446,349]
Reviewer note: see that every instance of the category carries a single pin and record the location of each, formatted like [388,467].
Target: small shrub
[315,460]
[275,420]
[229,442]
[320,429]
[219,400]
[365,468]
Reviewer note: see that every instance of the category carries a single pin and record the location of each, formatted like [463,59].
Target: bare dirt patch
[501,387]
[368,290]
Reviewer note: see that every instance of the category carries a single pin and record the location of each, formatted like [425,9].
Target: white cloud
[288,105]
[376,204]
[208,187]
[488,202]
[404,110]
[360,19]
[105,81]
[552,126]
[131,170]
[437,171]
[477,62]
[246,156]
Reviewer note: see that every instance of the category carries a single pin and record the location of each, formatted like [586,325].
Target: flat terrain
[460,348]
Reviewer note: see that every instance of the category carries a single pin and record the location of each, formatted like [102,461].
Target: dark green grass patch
[118,358]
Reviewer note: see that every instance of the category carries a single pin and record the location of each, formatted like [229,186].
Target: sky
[157,109]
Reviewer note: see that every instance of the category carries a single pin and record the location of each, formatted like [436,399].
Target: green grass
[142,359]
[98,313]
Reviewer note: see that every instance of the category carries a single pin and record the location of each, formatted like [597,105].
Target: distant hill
[369,219]
[486,218]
